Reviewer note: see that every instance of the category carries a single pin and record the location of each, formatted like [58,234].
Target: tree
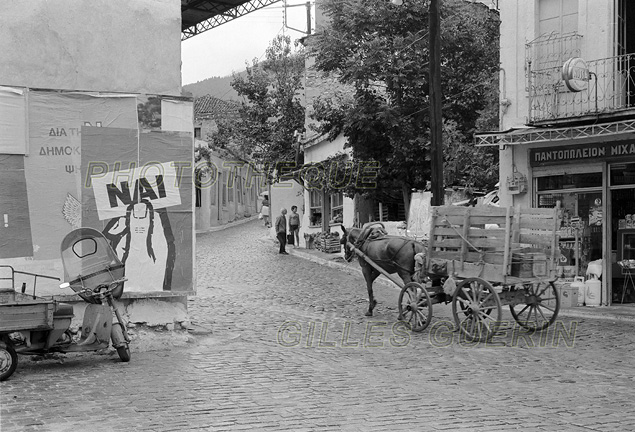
[270,112]
[381,51]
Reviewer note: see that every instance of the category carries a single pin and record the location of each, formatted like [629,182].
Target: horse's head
[350,237]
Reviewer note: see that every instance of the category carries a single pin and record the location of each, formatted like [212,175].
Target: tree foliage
[270,111]
[381,51]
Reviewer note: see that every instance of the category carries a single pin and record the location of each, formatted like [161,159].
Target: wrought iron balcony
[610,90]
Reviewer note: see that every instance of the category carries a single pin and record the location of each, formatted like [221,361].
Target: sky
[225,49]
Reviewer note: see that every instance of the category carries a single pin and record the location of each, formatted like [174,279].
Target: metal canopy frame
[198,16]
[601,132]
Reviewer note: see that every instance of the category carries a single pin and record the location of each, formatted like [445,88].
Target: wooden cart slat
[26,317]
[22,312]
[459,245]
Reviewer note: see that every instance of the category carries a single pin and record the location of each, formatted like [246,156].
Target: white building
[568,126]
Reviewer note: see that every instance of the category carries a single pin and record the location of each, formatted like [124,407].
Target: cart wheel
[415,306]
[8,360]
[541,307]
[477,309]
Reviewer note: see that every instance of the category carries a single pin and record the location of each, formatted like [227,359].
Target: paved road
[292,351]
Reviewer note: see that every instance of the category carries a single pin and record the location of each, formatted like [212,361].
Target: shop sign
[581,153]
[575,74]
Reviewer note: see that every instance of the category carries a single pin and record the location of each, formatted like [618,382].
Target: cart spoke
[543,291]
[467,318]
[523,310]
[421,318]
[486,300]
[484,324]
[467,294]
[539,309]
[486,316]
[542,305]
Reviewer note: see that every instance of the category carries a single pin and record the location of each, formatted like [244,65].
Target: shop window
[580,232]
[337,207]
[315,208]
[622,174]
[570,181]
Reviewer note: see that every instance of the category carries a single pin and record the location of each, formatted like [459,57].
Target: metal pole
[436,143]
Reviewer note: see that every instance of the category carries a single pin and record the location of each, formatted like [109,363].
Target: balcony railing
[611,89]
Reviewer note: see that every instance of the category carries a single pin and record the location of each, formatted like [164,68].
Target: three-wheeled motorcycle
[35,326]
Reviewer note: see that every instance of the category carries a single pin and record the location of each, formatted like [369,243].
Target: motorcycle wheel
[124,353]
[8,360]
[123,350]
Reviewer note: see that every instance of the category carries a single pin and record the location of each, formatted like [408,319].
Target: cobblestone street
[291,350]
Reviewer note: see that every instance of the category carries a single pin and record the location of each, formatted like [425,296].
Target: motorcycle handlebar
[97,290]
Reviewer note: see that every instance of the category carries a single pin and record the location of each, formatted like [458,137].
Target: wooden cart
[496,256]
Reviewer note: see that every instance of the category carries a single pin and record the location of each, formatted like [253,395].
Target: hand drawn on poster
[143,240]
[135,204]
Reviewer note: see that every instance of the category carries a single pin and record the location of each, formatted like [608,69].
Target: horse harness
[370,234]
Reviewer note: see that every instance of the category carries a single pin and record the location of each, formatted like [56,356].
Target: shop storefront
[595,186]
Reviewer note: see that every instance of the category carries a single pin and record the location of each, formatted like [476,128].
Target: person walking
[281,230]
[264,210]
[294,225]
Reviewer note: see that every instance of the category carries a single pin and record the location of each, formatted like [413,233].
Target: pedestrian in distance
[294,226]
[281,230]
[264,211]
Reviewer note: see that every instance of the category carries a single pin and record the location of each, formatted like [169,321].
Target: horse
[393,254]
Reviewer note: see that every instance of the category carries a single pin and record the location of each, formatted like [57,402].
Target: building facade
[568,129]
[230,190]
[94,132]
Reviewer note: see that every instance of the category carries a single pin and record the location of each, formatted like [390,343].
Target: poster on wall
[100,161]
[53,165]
[142,202]
[13,120]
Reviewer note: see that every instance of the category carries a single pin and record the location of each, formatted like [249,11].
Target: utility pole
[436,142]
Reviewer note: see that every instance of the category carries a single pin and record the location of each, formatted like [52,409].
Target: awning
[198,16]
[605,132]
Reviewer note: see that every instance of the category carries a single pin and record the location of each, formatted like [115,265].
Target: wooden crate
[329,245]
[516,245]
[21,312]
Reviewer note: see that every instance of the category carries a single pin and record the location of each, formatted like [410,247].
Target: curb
[598,312]
[227,225]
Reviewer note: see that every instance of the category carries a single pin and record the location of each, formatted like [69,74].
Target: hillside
[219,87]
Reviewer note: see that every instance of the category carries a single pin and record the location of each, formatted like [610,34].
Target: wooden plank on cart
[26,316]
[461,245]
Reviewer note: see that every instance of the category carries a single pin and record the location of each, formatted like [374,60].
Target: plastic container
[592,292]
[579,284]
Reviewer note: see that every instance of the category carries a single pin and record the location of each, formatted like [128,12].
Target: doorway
[622,182]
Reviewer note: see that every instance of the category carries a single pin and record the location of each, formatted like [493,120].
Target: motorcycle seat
[63,309]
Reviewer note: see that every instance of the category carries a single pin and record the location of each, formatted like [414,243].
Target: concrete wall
[97,45]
